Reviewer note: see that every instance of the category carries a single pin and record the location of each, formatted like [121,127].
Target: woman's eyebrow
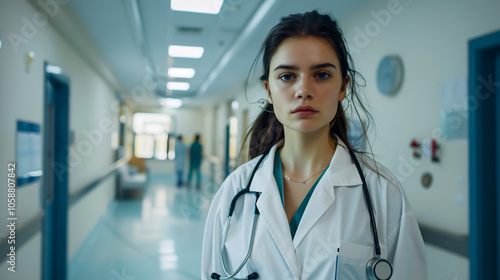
[317,66]
[287,67]
[323,65]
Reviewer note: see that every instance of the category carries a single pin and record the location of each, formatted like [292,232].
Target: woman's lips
[304,111]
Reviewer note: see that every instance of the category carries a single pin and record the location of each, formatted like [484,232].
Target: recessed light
[235,105]
[178,85]
[53,69]
[171,102]
[187,73]
[185,51]
[197,6]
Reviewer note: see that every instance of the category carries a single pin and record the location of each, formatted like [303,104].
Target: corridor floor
[158,236]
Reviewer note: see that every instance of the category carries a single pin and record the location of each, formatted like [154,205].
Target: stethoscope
[377,268]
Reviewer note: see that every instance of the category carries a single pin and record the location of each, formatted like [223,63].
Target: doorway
[484,157]
[55,190]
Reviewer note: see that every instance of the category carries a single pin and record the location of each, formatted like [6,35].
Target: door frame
[484,157]
[56,168]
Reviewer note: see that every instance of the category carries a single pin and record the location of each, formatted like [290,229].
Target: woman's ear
[343,89]
[266,86]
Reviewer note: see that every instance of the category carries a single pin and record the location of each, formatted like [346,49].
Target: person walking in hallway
[195,157]
[180,160]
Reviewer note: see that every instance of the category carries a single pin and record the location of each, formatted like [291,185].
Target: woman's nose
[304,89]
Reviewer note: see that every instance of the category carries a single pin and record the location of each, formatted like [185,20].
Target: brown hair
[266,131]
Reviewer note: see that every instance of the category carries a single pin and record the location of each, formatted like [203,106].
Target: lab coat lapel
[272,213]
[341,172]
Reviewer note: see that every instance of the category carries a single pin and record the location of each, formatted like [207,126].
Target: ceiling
[133,38]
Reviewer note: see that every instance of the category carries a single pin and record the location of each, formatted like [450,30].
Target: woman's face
[305,83]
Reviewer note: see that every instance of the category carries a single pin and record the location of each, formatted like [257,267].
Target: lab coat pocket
[352,260]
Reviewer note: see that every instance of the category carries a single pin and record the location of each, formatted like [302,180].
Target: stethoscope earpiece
[378,269]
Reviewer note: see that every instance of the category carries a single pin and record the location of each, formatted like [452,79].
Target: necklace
[302,182]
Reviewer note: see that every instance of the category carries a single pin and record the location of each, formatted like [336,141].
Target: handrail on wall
[27,230]
[77,195]
[450,242]
[458,244]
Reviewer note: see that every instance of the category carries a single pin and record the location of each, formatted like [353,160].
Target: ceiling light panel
[185,51]
[177,85]
[171,102]
[187,73]
[197,6]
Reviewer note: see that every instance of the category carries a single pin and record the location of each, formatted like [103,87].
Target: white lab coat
[335,224]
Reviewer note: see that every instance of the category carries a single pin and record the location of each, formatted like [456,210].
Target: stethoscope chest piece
[378,269]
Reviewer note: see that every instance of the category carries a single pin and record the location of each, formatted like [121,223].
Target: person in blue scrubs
[195,157]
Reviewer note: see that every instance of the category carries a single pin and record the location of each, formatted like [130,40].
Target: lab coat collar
[272,212]
[341,172]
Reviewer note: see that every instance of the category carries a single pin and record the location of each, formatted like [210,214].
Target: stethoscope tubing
[246,190]
[368,204]
[226,226]
[250,247]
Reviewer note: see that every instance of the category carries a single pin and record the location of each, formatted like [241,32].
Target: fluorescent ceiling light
[235,105]
[197,6]
[171,102]
[187,73]
[177,85]
[53,69]
[185,51]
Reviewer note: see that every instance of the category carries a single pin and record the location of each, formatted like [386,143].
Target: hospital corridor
[346,139]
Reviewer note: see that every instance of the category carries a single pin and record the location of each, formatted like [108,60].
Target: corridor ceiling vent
[197,6]
[189,30]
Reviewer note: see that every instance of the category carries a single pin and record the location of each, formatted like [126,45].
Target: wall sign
[28,152]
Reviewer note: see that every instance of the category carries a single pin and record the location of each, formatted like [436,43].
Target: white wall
[22,94]
[432,39]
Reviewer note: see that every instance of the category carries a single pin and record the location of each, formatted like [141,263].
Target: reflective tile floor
[158,236]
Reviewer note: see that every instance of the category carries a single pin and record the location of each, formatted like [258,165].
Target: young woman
[306,206]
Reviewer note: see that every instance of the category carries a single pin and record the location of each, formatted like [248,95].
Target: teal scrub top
[278,176]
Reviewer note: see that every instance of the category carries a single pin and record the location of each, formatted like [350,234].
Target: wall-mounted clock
[390,74]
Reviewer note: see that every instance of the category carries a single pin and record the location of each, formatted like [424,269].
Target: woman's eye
[286,77]
[323,75]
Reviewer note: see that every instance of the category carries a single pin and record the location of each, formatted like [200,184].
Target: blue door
[484,157]
[55,190]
